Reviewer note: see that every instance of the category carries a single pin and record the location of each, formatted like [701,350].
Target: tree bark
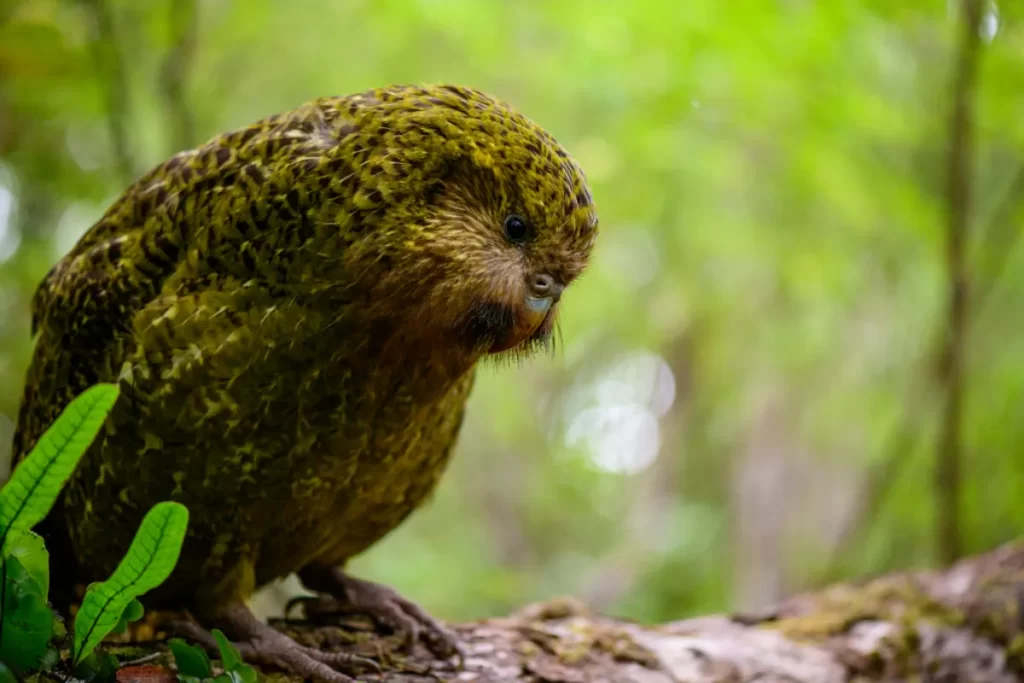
[951,371]
[965,623]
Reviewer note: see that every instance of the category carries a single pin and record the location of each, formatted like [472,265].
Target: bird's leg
[261,644]
[339,592]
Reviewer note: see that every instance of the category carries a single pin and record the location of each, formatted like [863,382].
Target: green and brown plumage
[294,311]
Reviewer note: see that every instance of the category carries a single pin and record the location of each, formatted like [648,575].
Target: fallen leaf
[146,673]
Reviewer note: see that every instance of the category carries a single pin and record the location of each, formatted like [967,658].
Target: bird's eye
[515,229]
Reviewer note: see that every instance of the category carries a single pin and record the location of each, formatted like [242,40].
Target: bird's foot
[340,593]
[261,644]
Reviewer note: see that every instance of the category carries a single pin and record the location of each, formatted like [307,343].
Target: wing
[204,215]
[217,209]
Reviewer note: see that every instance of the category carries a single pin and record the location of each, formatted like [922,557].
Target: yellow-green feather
[248,295]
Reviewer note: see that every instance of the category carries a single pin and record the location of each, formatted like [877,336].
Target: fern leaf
[27,617]
[30,550]
[191,660]
[150,559]
[36,482]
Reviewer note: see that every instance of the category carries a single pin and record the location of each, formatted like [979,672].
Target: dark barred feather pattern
[293,311]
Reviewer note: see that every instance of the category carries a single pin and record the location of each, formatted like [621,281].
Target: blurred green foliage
[748,368]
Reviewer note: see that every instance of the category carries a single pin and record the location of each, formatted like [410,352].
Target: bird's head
[482,219]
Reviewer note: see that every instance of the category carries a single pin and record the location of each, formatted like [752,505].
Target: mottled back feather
[292,311]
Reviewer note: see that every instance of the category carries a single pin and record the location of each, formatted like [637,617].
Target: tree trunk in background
[961,624]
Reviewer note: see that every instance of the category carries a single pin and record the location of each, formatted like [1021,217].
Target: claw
[318,607]
[343,593]
[264,645]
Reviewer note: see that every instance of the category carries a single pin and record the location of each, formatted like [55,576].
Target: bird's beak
[539,305]
[544,293]
[531,316]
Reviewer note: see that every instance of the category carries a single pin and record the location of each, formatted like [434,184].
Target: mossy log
[965,623]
